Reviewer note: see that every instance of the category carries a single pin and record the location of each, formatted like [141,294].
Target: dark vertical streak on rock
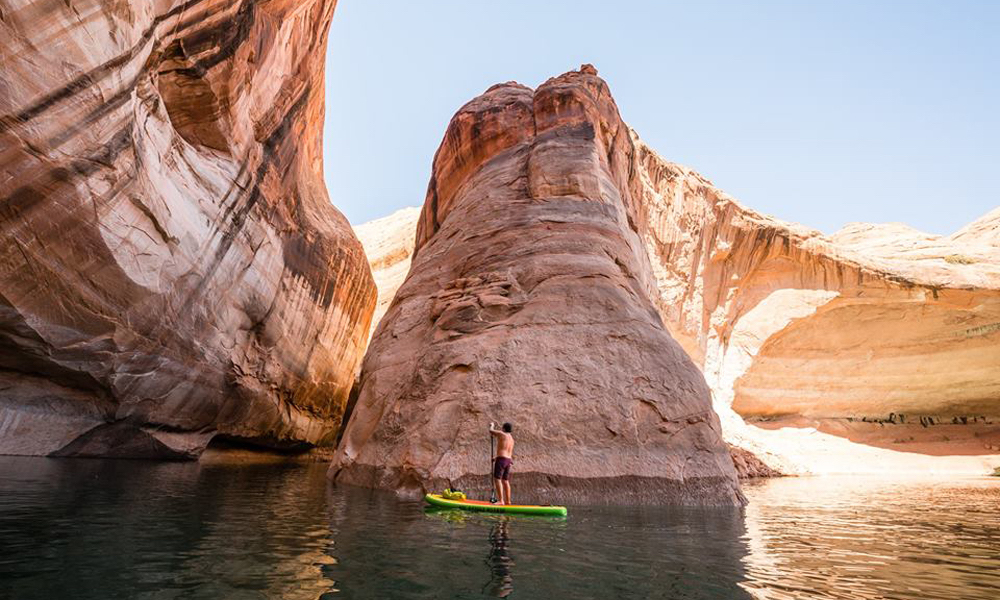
[95,75]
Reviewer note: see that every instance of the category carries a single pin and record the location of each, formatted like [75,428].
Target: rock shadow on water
[94,528]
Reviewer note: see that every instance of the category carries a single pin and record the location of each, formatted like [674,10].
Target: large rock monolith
[531,300]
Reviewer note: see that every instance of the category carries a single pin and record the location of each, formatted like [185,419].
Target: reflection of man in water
[501,582]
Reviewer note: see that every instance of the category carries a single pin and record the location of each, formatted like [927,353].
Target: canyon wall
[530,300]
[871,350]
[877,334]
[172,269]
[388,243]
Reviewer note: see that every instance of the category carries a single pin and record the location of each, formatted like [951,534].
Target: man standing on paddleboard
[503,460]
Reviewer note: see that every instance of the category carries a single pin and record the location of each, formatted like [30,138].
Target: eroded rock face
[172,269]
[862,336]
[388,243]
[530,300]
[748,466]
[871,350]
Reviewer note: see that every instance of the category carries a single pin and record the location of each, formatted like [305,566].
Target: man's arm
[494,431]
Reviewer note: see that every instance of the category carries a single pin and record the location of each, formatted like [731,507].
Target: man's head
[507,427]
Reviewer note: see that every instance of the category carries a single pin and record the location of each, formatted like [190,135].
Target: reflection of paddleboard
[524,509]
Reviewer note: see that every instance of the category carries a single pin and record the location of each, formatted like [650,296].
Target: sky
[822,113]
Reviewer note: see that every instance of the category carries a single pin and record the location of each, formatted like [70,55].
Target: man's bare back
[505,444]
[502,461]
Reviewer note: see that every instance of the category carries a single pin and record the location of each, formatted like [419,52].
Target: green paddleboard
[479,505]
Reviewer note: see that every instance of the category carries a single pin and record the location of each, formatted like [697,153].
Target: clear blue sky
[817,112]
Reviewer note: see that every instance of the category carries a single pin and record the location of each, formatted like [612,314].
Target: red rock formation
[871,350]
[748,466]
[172,269]
[529,300]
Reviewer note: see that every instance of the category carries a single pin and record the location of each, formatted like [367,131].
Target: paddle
[493,489]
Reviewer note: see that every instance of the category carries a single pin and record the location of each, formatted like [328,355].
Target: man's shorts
[501,468]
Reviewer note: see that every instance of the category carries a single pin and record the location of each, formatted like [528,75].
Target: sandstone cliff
[388,243]
[172,269]
[530,299]
[874,349]
[869,335]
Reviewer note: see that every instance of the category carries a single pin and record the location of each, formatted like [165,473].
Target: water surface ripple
[129,529]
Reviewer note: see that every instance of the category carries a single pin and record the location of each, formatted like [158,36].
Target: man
[503,460]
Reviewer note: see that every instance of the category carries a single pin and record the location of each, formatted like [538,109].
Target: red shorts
[501,468]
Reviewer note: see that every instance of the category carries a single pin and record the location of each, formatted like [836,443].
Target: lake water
[127,529]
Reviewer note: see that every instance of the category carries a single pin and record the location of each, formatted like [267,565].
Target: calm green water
[121,529]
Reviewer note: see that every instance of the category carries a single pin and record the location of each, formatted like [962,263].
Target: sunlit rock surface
[982,231]
[530,299]
[388,243]
[873,349]
[877,334]
[172,269]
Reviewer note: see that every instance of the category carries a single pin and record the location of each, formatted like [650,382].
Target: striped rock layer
[873,349]
[171,269]
[530,299]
